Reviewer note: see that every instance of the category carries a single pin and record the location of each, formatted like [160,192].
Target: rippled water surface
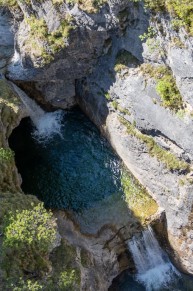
[77,170]
[73,170]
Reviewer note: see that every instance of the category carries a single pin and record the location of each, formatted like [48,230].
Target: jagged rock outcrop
[124,103]
[132,95]
[90,38]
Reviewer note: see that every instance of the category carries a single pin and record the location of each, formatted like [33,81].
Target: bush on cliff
[181,11]
[28,237]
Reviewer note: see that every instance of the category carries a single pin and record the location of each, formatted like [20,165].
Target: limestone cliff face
[89,39]
[113,98]
[101,69]
[12,111]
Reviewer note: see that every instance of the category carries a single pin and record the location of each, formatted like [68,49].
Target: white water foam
[46,124]
[159,277]
[16,58]
[154,270]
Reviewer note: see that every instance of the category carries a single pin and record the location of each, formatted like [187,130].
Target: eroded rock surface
[84,73]
[6,38]
[130,95]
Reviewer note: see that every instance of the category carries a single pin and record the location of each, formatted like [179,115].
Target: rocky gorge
[129,69]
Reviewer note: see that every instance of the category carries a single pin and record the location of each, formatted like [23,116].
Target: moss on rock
[137,198]
[167,158]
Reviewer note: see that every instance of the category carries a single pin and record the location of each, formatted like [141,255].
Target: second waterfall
[154,270]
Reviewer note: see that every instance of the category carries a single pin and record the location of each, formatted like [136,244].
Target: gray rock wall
[86,68]
[6,39]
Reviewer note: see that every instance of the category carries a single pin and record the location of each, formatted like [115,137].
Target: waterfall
[16,58]
[46,124]
[154,270]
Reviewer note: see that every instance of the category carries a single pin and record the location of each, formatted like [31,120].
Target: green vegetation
[137,198]
[152,43]
[10,202]
[29,235]
[90,6]
[27,285]
[156,5]
[26,264]
[66,280]
[6,154]
[169,93]
[175,41]
[7,97]
[108,96]
[125,111]
[170,160]
[44,44]
[66,273]
[181,11]
[165,86]
[30,229]
[149,34]
[115,104]
[9,3]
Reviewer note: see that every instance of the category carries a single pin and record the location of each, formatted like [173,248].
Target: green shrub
[44,44]
[67,279]
[181,11]
[156,5]
[165,85]
[8,3]
[149,34]
[169,93]
[6,154]
[28,237]
[35,227]
[28,285]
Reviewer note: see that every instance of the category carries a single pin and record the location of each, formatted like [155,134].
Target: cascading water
[154,270]
[46,124]
[16,59]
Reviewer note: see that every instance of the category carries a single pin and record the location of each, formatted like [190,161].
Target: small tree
[29,236]
[35,227]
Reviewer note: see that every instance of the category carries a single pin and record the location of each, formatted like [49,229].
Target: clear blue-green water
[126,282]
[77,170]
[73,170]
